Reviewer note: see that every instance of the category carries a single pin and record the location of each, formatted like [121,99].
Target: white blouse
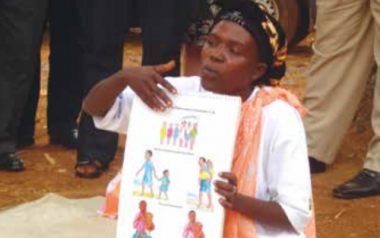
[283,168]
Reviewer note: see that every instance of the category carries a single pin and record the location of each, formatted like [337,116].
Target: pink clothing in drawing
[193,230]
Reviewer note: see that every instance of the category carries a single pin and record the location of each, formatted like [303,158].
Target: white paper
[177,150]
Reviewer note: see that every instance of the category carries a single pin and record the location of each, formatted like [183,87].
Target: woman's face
[230,61]
[143,206]
[192,216]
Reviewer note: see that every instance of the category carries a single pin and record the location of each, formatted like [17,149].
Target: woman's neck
[245,94]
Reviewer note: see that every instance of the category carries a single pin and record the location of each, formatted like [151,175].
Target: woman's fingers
[164,83]
[225,203]
[224,186]
[151,100]
[164,68]
[160,94]
[232,179]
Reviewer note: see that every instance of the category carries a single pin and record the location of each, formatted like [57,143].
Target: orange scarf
[245,157]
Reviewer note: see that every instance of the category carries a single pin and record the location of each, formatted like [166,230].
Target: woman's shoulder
[280,110]
[279,117]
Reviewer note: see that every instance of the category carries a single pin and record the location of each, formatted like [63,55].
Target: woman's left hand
[228,190]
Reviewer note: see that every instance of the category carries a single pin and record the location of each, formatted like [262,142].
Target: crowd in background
[86,45]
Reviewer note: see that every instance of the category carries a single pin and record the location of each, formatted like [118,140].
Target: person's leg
[209,195]
[25,131]
[65,89]
[373,155]
[340,67]
[103,26]
[164,23]
[151,191]
[21,24]
[367,182]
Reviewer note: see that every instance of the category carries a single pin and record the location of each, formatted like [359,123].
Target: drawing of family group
[182,134]
[206,174]
[149,172]
[144,226]
[204,179]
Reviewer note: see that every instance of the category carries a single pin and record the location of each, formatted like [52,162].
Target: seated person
[267,193]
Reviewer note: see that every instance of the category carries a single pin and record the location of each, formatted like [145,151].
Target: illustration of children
[165,181]
[183,132]
[143,222]
[169,133]
[193,229]
[187,135]
[205,181]
[163,133]
[149,171]
[193,135]
[176,134]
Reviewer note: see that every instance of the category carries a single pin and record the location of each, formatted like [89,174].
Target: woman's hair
[265,30]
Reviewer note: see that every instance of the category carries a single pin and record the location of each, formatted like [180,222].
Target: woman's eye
[210,42]
[235,50]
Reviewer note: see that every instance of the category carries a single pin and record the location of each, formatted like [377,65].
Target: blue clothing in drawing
[176,133]
[164,184]
[187,136]
[137,235]
[205,186]
[148,173]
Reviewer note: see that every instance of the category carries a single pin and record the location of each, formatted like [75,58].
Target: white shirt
[283,168]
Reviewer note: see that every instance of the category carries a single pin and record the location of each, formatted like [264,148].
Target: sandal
[89,169]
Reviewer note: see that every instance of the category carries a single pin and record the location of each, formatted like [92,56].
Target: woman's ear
[258,71]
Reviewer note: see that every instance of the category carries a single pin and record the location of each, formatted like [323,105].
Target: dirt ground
[50,168]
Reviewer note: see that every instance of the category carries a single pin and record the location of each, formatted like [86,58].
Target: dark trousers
[65,85]
[65,90]
[21,24]
[104,25]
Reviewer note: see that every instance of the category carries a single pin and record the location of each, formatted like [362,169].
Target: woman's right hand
[145,81]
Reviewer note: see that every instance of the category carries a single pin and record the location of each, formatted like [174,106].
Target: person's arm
[286,172]
[138,172]
[143,81]
[269,213]
[155,173]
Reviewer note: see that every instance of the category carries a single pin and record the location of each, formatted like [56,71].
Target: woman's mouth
[209,72]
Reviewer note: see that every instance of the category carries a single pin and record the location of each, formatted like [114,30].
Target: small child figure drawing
[205,179]
[143,222]
[165,182]
[193,229]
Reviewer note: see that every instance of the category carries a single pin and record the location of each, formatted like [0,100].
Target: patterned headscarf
[266,31]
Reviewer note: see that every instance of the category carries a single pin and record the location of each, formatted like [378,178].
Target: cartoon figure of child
[143,222]
[187,135]
[176,134]
[169,133]
[204,182]
[163,132]
[149,170]
[183,132]
[193,229]
[193,135]
[165,181]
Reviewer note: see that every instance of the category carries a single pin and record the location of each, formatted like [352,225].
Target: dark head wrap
[266,31]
